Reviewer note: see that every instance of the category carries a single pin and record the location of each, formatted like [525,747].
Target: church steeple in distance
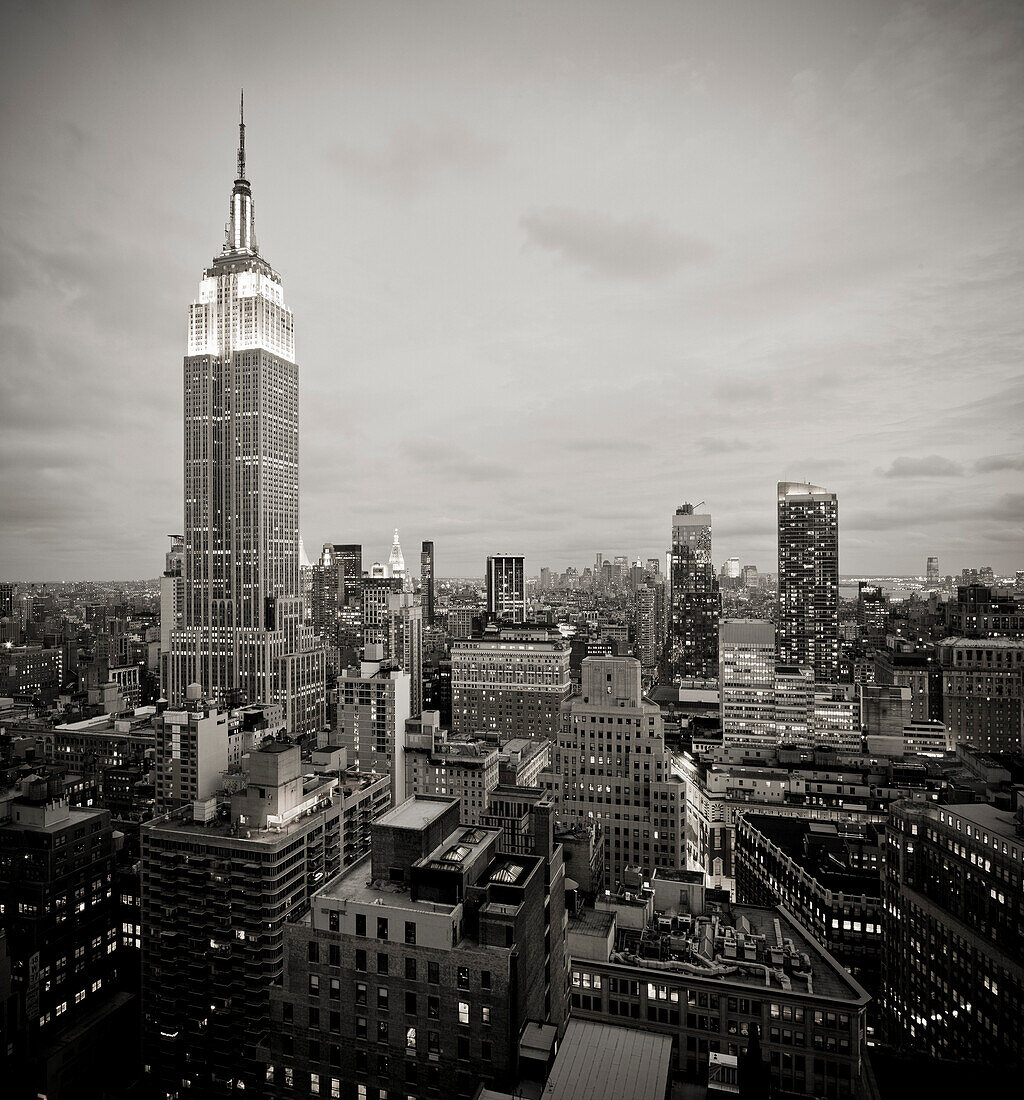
[240,232]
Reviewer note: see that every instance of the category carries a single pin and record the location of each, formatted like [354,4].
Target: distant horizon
[843,577]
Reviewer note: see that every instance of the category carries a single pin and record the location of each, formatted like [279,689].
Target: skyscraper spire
[240,232]
[397,559]
[241,136]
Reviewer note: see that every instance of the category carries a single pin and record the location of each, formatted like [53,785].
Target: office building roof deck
[598,1061]
[761,949]
[818,847]
[355,885]
[416,813]
[592,922]
[989,819]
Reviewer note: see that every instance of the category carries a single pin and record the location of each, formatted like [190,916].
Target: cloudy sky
[555,268]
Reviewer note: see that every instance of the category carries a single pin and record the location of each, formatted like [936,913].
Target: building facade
[808,619]
[506,588]
[983,691]
[217,891]
[828,874]
[746,661]
[372,710]
[668,960]
[512,682]
[610,765]
[695,601]
[242,611]
[420,967]
[953,974]
[427,579]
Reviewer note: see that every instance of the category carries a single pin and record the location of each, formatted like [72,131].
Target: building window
[410,931]
[463,977]
[382,928]
[360,924]
[314,984]
[463,1012]
[361,960]
[382,962]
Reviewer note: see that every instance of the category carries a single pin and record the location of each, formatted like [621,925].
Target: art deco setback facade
[953,973]
[610,765]
[242,634]
[417,969]
[512,682]
[669,960]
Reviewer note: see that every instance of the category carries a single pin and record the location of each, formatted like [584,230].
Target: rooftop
[819,848]
[592,922]
[759,948]
[987,817]
[356,885]
[597,1061]
[416,813]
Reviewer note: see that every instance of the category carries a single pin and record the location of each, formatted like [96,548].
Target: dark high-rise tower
[506,588]
[808,626]
[427,579]
[695,605]
[242,636]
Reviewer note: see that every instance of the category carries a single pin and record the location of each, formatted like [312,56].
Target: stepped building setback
[242,634]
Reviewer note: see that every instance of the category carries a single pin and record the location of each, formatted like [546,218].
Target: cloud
[612,248]
[443,459]
[414,154]
[999,462]
[926,466]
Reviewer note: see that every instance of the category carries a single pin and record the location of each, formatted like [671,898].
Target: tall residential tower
[242,635]
[693,627]
[808,621]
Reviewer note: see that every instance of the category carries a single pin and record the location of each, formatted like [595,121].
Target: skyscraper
[242,636]
[808,626]
[506,588]
[336,580]
[611,765]
[747,680]
[396,562]
[427,579]
[933,572]
[693,631]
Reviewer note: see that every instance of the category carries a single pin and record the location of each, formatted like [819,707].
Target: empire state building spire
[240,232]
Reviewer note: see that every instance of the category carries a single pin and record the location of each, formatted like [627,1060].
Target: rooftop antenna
[241,136]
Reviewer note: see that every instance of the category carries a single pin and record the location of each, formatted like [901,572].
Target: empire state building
[241,633]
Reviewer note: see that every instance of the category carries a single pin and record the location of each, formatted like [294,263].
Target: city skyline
[652,225]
